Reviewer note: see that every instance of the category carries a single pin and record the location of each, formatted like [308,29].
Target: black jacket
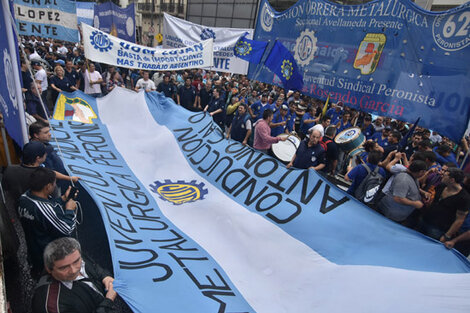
[53,296]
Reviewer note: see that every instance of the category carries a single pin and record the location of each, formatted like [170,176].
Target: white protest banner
[104,48]
[179,33]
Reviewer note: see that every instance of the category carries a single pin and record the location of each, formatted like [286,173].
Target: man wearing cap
[278,124]
[241,127]
[263,139]
[16,178]
[309,154]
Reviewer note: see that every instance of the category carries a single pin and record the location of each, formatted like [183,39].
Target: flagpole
[14,60]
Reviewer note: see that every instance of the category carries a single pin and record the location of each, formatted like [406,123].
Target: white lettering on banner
[113,13]
[45,16]
[102,47]
[306,12]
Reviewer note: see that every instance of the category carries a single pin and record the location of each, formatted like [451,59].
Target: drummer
[310,153]
[344,123]
[263,139]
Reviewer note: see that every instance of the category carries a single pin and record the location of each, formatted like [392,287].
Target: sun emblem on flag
[243,48]
[287,69]
[179,192]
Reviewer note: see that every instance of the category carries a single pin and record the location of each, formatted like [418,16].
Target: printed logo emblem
[287,69]
[207,33]
[10,80]
[179,192]
[242,48]
[369,52]
[266,18]
[130,26]
[101,41]
[305,47]
[451,32]
[75,109]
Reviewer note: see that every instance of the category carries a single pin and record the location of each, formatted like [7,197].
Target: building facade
[149,13]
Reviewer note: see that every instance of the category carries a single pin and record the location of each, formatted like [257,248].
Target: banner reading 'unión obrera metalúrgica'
[387,57]
[104,48]
[47,18]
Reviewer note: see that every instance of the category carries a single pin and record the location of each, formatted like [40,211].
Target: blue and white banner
[104,48]
[85,12]
[179,33]
[47,18]
[9,101]
[386,57]
[117,21]
[199,223]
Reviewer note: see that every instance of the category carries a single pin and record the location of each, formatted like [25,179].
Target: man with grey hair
[73,282]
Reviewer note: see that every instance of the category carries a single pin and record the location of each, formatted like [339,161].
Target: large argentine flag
[198,223]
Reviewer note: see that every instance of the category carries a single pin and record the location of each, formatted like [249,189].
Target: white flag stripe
[36,15]
[273,271]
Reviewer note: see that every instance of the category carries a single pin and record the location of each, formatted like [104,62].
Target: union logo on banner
[305,47]
[179,192]
[75,109]
[100,41]
[369,52]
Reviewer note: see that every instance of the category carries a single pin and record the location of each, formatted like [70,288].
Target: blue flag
[282,63]
[114,20]
[250,50]
[10,103]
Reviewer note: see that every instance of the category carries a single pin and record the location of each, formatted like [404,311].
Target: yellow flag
[325,107]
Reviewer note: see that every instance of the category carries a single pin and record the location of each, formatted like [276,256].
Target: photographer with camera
[43,217]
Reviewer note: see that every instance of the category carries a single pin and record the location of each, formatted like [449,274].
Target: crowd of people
[413,180]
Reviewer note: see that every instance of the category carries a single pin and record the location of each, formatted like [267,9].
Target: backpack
[324,144]
[367,190]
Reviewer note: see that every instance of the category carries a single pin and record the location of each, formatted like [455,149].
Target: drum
[349,139]
[354,156]
[285,150]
